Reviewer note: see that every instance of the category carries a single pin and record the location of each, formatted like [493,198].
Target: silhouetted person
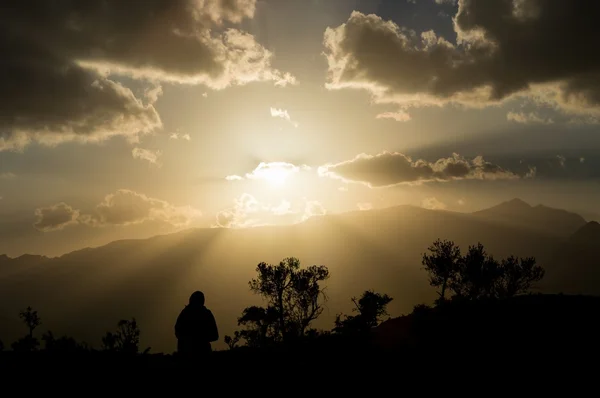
[195,328]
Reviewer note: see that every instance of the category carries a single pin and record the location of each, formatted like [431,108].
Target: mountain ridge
[515,203]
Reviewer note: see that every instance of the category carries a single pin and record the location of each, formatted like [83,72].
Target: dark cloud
[55,217]
[124,207]
[541,49]
[393,168]
[58,58]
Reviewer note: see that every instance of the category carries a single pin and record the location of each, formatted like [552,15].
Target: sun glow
[276,174]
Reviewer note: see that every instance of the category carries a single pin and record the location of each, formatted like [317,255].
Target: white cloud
[364,206]
[399,116]
[283,114]
[433,204]
[313,208]
[146,154]
[176,136]
[527,118]
[247,211]
[277,172]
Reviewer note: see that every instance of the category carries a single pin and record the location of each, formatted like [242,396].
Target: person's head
[197,298]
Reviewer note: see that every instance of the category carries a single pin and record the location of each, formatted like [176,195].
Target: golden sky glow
[275,111]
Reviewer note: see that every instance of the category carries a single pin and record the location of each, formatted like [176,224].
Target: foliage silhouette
[31,319]
[518,276]
[261,326]
[371,307]
[442,264]
[126,339]
[62,344]
[25,344]
[292,296]
[476,274]
[295,298]
[233,341]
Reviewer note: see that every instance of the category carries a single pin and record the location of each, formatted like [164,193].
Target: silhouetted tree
[233,341]
[518,275]
[477,275]
[261,326]
[31,319]
[442,264]
[126,339]
[292,294]
[371,308]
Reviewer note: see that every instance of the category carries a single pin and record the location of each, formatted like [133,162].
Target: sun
[276,174]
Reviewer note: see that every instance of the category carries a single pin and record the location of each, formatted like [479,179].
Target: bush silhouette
[126,339]
[371,307]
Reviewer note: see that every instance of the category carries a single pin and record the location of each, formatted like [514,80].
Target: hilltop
[84,293]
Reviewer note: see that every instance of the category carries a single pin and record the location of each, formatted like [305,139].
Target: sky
[130,119]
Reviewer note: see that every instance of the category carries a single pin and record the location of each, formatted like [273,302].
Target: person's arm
[213,330]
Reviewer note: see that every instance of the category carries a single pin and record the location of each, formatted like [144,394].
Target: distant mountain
[588,235]
[589,216]
[8,264]
[575,264]
[542,218]
[85,293]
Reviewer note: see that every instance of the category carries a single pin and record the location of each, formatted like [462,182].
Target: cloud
[122,208]
[247,211]
[7,176]
[433,204]
[313,208]
[270,171]
[56,217]
[283,114]
[400,116]
[176,136]
[393,168]
[59,60]
[504,50]
[527,118]
[126,207]
[364,206]
[146,154]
